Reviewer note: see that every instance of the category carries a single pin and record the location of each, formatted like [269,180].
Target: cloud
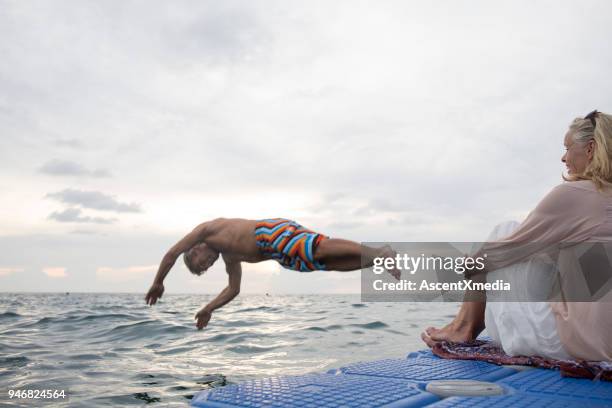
[267,268]
[342,225]
[5,271]
[71,143]
[67,168]
[74,215]
[94,200]
[54,272]
[263,110]
[84,232]
[124,274]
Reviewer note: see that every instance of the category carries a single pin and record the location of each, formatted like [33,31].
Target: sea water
[113,350]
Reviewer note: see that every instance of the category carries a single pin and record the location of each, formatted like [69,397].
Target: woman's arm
[564,215]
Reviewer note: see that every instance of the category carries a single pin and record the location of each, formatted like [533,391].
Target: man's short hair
[187,260]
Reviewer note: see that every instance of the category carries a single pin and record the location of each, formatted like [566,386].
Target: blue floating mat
[550,383]
[396,383]
[541,388]
[514,401]
[422,369]
[316,390]
[422,353]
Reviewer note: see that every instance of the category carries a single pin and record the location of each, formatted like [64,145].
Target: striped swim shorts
[290,244]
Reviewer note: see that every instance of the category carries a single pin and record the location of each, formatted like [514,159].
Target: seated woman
[577,211]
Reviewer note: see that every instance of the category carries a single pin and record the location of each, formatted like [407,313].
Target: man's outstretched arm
[234,271]
[156,291]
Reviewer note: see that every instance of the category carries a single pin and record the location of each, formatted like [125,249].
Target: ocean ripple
[112,350]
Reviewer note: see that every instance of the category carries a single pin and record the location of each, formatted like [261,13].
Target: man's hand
[156,292]
[202,318]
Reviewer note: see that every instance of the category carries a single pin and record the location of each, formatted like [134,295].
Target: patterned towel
[484,350]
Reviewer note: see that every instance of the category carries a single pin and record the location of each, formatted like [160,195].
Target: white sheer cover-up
[522,328]
[572,213]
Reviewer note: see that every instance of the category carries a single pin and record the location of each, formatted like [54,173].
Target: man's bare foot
[388,252]
[456,331]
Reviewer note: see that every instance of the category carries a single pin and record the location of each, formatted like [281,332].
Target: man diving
[240,240]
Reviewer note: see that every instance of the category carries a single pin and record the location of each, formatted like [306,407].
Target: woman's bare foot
[466,326]
[431,335]
[457,331]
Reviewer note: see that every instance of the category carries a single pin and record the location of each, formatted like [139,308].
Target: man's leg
[344,255]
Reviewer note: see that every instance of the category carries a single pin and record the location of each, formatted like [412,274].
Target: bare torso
[235,239]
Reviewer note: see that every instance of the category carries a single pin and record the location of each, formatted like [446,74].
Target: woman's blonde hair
[599,170]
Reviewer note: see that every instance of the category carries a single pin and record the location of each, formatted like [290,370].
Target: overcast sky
[123,124]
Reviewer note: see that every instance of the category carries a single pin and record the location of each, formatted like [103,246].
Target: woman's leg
[470,321]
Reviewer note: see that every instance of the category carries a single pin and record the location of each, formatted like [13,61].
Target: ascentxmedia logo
[450,271]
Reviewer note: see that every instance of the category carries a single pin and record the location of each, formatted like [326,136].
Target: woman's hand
[155,292]
[202,318]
